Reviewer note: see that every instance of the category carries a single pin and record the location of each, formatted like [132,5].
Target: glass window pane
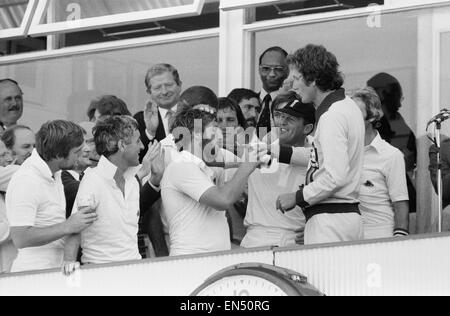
[445,78]
[64,87]
[12,13]
[69,10]
[365,47]
[362,51]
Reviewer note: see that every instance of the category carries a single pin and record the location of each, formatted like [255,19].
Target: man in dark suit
[164,88]
[273,71]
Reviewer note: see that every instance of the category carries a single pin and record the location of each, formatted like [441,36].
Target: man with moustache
[196,196]
[11,103]
[249,103]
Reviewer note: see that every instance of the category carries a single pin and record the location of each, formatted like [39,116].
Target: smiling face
[11,103]
[273,70]
[164,90]
[5,155]
[307,92]
[132,150]
[292,130]
[24,144]
[84,161]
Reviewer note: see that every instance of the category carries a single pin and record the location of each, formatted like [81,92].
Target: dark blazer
[151,222]
[71,186]
[160,132]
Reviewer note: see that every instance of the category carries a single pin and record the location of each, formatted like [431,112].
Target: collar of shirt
[40,165]
[107,169]
[186,156]
[332,98]
[74,174]
[376,144]
[263,94]
[163,112]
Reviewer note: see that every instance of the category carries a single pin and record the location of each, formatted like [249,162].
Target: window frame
[22,30]
[38,29]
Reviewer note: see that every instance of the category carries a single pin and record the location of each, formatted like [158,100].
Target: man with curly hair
[330,197]
[194,195]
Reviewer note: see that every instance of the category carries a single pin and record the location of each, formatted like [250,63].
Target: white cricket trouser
[378,231]
[331,228]
[260,236]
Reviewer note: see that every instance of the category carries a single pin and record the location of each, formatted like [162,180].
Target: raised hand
[151,117]
[156,157]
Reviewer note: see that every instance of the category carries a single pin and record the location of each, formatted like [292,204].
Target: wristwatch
[256,279]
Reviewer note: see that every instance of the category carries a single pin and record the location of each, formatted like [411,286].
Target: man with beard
[20,140]
[248,101]
[195,196]
[35,201]
[11,103]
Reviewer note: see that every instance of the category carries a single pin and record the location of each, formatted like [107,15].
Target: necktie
[265,119]
[169,116]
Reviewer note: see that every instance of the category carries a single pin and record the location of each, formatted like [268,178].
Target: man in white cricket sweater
[330,197]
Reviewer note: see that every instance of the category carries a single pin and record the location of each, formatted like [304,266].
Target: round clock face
[242,285]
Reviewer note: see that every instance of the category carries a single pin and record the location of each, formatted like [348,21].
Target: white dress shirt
[113,237]
[383,183]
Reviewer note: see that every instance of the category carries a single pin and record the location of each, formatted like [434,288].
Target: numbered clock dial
[242,286]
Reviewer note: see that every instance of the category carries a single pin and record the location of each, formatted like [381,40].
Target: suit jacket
[71,186]
[160,132]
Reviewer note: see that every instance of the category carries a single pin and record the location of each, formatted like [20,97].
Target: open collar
[376,144]
[36,161]
[336,96]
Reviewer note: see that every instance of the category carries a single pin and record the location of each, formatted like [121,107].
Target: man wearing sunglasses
[273,71]
[11,103]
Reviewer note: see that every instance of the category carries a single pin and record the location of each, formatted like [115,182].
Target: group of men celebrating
[302,168]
